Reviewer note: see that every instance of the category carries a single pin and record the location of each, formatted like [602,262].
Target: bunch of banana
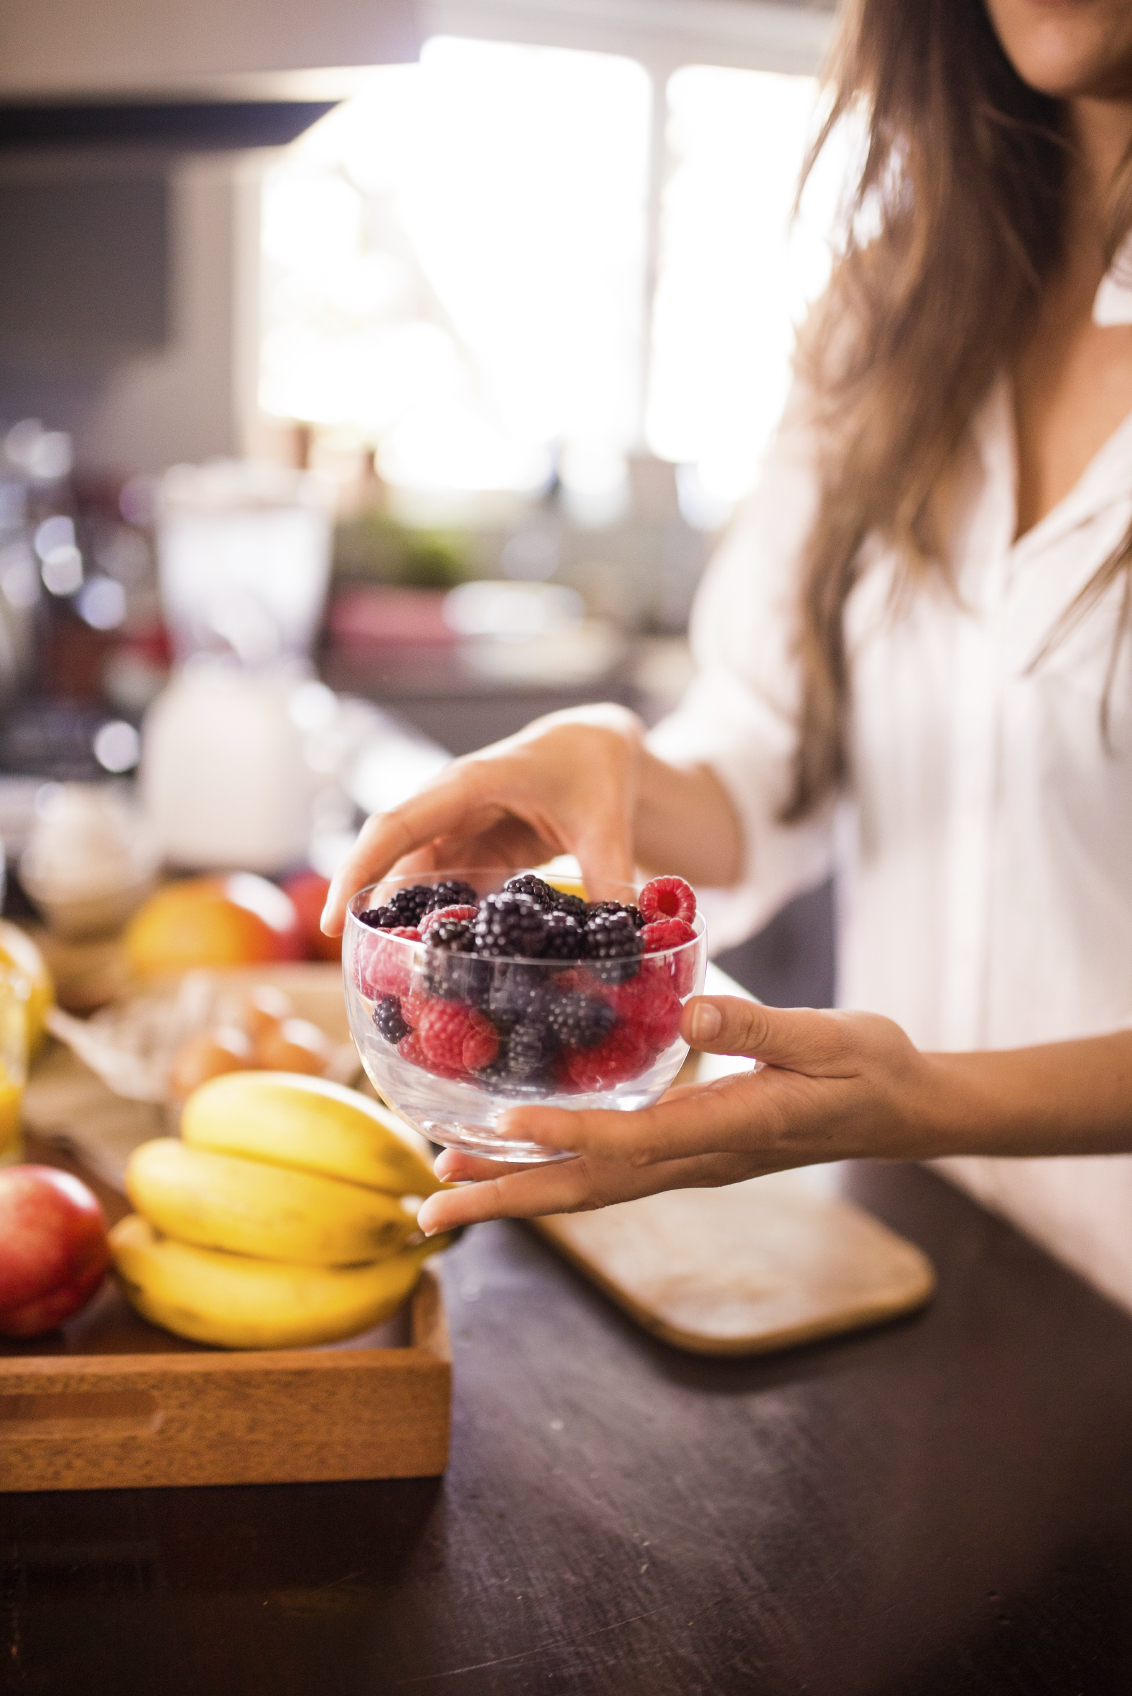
[276,1220]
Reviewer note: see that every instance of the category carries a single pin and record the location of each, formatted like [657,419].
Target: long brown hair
[951,232]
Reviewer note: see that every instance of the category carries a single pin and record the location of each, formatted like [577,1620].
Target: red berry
[664,934]
[667,898]
[456,1038]
[624,1054]
[382,967]
[579,980]
[410,1049]
[465,913]
[481,1045]
[412,1006]
[649,1005]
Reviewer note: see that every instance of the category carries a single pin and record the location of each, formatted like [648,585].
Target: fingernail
[707,1022]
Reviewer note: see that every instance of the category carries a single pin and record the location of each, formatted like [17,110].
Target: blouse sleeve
[739,717]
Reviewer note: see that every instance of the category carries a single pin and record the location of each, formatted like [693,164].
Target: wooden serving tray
[111,1402]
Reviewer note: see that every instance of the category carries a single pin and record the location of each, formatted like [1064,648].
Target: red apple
[308,890]
[53,1248]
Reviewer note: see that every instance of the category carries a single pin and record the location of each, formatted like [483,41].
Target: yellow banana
[235,1302]
[308,1123]
[220,1201]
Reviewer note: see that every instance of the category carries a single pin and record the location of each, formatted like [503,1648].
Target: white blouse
[983,852]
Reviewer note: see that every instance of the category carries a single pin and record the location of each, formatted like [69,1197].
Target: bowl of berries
[470,992]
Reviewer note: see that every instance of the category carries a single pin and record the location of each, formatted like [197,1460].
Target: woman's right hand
[567,784]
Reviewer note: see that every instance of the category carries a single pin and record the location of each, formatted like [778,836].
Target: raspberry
[579,980]
[664,934]
[610,907]
[577,1022]
[411,1049]
[565,936]
[456,1038]
[517,992]
[382,967]
[667,898]
[452,893]
[650,1006]
[623,1054]
[613,946]
[411,903]
[436,914]
[387,1017]
[534,888]
[413,1007]
[509,926]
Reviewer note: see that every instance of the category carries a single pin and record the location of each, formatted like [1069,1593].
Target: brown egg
[294,1046]
[207,1056]
[265,1010]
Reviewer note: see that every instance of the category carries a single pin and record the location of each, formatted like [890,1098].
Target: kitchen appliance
[243,561]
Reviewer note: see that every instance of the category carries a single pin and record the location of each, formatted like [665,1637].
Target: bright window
[453,264]
[734,275]
[455,267]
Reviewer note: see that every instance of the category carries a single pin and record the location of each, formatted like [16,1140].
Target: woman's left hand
[829,1086]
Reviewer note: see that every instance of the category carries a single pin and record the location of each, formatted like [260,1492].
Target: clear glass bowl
[452,1040]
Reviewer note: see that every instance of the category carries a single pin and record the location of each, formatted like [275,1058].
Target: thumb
[798,1038]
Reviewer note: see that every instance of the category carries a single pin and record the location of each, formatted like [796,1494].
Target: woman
[914,660]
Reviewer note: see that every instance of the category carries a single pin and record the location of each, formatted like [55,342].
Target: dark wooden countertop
[939,1508]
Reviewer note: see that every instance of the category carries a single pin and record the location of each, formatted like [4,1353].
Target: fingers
[454,1166]
[605,857]
[535,1192]
[798,1038]
[388,837]
[731,1115]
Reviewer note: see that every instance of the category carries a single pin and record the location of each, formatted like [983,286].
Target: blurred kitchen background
[373,378]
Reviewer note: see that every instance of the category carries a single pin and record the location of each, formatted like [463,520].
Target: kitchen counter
[941,1507]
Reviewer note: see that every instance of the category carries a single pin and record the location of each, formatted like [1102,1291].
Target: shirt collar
[1113,303]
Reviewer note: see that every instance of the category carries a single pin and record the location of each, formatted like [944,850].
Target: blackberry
[566,903]
[381,918]
[577,1022]
[412,903]
[509,926]
[613,946]
[528,1050]
[453,893]
[565,937]
[451,968]
[596,908]
[388,1018]
[517,993]
[534,888]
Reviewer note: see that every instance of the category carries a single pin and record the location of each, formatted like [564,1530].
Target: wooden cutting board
[757,1266]
[761,1265]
